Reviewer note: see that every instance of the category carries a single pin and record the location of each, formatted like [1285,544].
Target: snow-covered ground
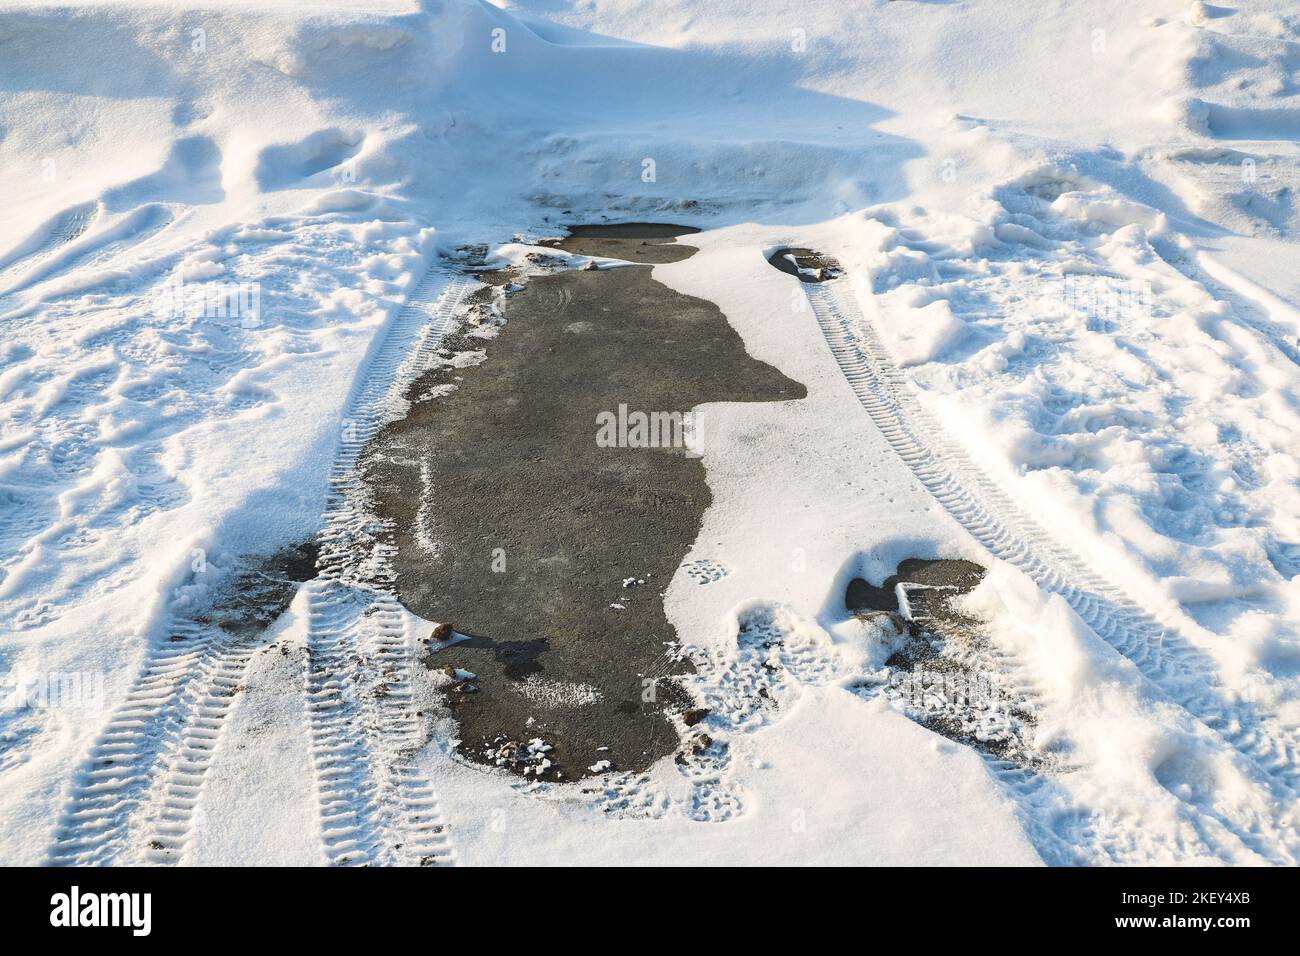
[1065,347]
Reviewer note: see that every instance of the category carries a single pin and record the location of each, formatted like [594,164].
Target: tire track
[188,753]
[376,808]
[134,798]
[345,778]
[995,522]
[114,781]
[1062,832]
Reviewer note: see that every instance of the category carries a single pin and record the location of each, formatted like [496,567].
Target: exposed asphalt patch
[805,264]
[649,242]
[548,552]
[259,595]
[942,671]
[953,576]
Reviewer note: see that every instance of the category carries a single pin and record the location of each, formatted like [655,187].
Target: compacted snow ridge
[1009,575]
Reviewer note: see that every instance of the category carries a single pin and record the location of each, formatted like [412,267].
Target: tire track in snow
[995,522]
[63,229]
[135,796]
[71,249]
[188,753]
[375,806]
[115,779]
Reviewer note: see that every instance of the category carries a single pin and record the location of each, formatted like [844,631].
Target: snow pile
[1082,259]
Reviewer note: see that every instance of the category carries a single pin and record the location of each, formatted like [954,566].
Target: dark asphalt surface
[510,461]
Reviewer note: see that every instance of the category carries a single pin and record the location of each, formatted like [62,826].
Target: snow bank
[1082,258]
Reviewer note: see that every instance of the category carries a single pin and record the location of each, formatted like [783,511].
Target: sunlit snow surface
[1071,280]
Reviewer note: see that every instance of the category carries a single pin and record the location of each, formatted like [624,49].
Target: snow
[261,803]
[1071,225]
[813,804]
[1144,420]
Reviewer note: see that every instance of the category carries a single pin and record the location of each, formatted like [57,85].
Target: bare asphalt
[538,528]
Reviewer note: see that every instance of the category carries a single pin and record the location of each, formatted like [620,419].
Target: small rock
[591,266]
[440,633]
[694,715]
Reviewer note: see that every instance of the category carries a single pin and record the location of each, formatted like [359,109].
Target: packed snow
[1067,231]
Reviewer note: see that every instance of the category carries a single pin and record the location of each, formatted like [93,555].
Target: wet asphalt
[548,552]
